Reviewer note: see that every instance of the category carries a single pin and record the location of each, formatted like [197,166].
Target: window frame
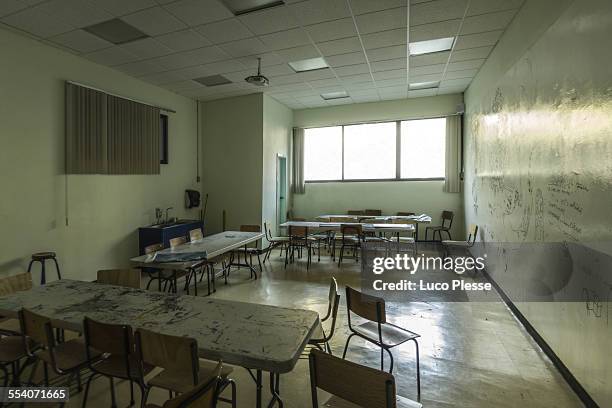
[398,136]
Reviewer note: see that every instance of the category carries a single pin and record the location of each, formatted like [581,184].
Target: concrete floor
[472,354]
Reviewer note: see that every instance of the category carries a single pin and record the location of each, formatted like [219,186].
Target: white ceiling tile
[316,74]
[369,6]
[269,58]
[451,89]
[191,58]
[196,12]
[361,86]
[154,21]
[466,73]
[183,40]
[384,39]
[162,78]
[461,65]
[456,82]
[365,98]
[429,59]
[247,46]
[123,7]
[340,60]
[339,101]
[275,70]
[269,20]
[140,68]
[285,39]
[356,79]
[427,69]
[343,46]
[417,93]
[399,63]
[111,56]
[223,31]
[195,71]
[477,40]
[317,11]
[183,85]
[386,53]
[433,31]
[37,22]
[425,78]
[487,22]
[352,70]
[364,92]
[398,82]
[392,74]
[438,10]
[78,13]
[285,79]
[12,6]
[239,75]
[381,21]
[81,41]
[393,91]
[298,53]
[471,53]
[147,48]
[489,6]
[325,83]
[332,30]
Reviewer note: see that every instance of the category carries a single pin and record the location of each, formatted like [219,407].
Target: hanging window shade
[106,134]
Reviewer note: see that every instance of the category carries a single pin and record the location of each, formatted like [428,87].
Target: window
[423,147]
[369,151]
[399,150]
[323,153]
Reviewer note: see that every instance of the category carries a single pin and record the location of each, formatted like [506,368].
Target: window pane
[423,148]
[323,153]
[369,151]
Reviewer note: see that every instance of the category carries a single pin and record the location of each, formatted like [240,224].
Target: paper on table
[179,257]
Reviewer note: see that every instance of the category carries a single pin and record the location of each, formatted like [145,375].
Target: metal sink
[171,223]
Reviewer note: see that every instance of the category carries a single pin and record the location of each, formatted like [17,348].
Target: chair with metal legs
[274,242]
[377,329]
[299,240]
[352,385]
[465,245]
[351,237]
[115,342]
[321,339]
[447,223]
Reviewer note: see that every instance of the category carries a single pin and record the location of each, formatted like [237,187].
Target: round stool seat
[40,256]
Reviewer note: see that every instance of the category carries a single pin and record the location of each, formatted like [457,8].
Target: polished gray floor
[472,354]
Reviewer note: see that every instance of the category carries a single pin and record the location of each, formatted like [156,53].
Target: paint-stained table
[257,337]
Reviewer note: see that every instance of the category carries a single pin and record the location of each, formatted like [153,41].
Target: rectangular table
[199,251]
[254,336]
[418,219]
[365,226]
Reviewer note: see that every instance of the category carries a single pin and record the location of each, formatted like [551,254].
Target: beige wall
[538,148]
[390,196]
[104,212]
[277,125]
[232,154]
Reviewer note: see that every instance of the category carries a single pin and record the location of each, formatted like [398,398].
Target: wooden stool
[42,257]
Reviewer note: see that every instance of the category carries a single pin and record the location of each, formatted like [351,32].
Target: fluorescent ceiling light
[213,80]
[116,31]
[429,46]
[334,95]
[308,64]
[239,7]
[424,85]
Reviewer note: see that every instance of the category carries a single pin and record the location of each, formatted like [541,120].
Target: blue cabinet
[165,232]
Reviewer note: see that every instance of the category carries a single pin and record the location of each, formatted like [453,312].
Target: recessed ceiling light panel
[424,85]
[116,31]
[429,46]
[309,64]
[213,80]
[239,7]
[334,95]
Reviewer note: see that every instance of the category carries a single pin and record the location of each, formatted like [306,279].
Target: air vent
[116,31]
[424,85]
[239,7]
[213,80]
[334,95]
[310,64]
[430,46]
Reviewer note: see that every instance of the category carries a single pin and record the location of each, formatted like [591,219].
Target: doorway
[281,190]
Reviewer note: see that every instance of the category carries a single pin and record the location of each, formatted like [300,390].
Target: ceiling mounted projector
[258,80]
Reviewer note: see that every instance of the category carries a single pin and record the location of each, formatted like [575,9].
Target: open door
[281,190]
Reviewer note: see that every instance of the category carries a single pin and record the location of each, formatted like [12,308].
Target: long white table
[337,225]
[418,219]
[191,255]
[254,336]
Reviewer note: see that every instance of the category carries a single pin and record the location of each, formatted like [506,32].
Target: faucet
[158,215]
[167,211]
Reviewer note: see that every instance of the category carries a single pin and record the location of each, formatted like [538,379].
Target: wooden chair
[375,213]
[355,212]
[66,358]
[405,213]
[447,223]
[351,236]
[203,395]
[352,385]
[196,234]
[465,245]
[321,339]
[299,240]
[115,342]
[8,286]
[189,275]
[182,370]
[376,329]
[174,242]
[129,278]
[274,242]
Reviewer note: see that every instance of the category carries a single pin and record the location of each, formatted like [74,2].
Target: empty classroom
[306,203]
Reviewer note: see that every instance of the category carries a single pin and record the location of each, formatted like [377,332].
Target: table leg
[274,388]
